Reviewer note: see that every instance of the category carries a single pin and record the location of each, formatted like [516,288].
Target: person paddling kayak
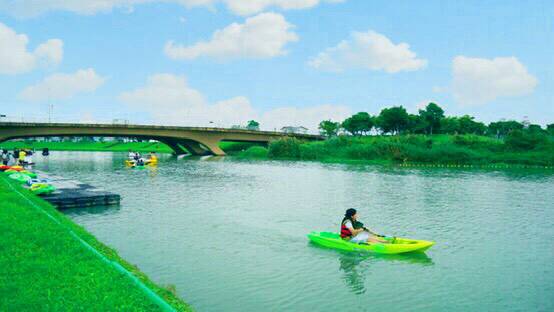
[354,231]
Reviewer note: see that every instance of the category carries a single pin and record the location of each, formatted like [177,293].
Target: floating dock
[74,194]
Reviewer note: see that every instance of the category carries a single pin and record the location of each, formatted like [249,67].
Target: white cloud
[478,80]
[262,36]
[63,86]
[50,52]
[309,117]
[368,50]
[31,8]
[171,101]
[423,104]
[16,59]
[249,7]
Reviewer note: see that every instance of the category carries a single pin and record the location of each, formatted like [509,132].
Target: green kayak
[397,245]
[42,188]
[28,173]
[20,177]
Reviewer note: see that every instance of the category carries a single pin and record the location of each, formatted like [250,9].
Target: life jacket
[344,231]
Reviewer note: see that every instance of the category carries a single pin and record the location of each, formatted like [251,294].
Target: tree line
[430,120]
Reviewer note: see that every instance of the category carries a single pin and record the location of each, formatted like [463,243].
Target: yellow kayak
[397,245]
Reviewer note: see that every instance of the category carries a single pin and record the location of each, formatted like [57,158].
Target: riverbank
[439,150]
[45,263]
[143,147]
[408,150]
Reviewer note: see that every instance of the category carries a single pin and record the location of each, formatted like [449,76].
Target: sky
[280,62]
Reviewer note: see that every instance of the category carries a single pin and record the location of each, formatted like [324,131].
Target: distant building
[119,121]
[291,129]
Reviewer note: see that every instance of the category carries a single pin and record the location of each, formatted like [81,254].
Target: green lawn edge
[463,151]
[32,244]
[89,146]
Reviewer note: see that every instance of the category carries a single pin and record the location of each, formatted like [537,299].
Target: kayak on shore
[396,246]
[11,168]
[42,188]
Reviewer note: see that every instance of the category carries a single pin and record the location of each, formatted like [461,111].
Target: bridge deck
[195,140]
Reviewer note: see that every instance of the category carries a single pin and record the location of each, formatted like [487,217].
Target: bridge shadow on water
[355,265]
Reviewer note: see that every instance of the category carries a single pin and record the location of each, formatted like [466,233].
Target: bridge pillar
[213,146]
[173,144]
[194,148]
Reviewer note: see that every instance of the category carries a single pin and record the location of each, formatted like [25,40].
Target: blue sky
[489,59]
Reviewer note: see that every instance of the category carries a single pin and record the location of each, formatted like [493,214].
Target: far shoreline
[424,151]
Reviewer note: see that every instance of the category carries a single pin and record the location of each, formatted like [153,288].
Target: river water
[231,235]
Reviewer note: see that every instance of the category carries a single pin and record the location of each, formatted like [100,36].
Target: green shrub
[361,151]
[285,148]
[417,140]
[522,140]
[254,152]
[313,151]
[478,142]
[339,141]
[453,155]
[236,147]
[388,150]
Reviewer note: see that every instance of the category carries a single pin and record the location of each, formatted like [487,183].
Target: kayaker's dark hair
[348,215]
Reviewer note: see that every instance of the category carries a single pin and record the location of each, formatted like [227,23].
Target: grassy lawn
[44,268]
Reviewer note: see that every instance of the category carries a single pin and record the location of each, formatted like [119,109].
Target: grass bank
[44,267]
[143,147]
[414,149]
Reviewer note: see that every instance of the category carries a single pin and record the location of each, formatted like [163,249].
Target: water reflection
[355,265]
[354,277]
[95,210]
[355,272]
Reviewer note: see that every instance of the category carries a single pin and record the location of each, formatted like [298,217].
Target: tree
[253,125]
[433,115]
[450,125]
[550,128]
[329,128]
[358,124]
[502,128]
[524,140]
[394,119]
[416,124]
[469,125]
[533,128]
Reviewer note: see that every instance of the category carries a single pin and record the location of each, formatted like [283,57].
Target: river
[231,235]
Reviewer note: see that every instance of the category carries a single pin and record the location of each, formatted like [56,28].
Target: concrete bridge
[195,140]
